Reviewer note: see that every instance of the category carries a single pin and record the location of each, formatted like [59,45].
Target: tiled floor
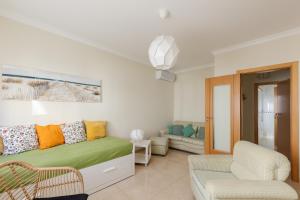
[165,178]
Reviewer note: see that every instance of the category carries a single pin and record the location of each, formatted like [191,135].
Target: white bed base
[98,177]
[105,174]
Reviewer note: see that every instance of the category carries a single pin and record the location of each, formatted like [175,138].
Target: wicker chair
[19,180]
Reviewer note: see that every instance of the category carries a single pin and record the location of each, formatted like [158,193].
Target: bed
[102,162]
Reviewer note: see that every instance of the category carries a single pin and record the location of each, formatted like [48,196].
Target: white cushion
[175,137]
[199,190]
[193,140]
[190,140]
[253,162]
[238,189]
[159,141]
[204,176]
[219,163]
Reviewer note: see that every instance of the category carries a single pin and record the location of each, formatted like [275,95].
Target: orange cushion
[95,129]
[49,136]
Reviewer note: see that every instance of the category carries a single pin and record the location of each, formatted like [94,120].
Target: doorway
[284,121]
[265,115]
[238,112]
[272,116]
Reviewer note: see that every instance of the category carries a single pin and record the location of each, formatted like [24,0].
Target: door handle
[277,115]
[208,118]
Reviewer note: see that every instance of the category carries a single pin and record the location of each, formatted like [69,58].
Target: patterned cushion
[17,139]
[73,132]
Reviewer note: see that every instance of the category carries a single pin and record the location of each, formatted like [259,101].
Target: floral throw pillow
[17,139]
[73,132]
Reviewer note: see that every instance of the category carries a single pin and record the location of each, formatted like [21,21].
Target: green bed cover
[79,155]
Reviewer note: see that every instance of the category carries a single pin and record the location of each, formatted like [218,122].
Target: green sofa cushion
[79,155]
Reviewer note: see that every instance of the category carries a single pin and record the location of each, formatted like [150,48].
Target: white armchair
[253,172]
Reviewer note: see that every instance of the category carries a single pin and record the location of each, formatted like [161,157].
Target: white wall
[132,98]
[273,52]
[189,95]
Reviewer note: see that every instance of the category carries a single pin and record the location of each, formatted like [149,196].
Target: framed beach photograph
[28,84]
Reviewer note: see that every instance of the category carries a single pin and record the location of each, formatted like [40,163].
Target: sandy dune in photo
[44,90]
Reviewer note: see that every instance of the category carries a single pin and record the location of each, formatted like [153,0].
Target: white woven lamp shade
[163,52]
[137,135]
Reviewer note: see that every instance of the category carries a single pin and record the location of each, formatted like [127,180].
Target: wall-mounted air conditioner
[165,75]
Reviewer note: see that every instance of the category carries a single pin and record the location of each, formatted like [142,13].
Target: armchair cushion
[219,163]
[204,176]
[245,189]
[253,162]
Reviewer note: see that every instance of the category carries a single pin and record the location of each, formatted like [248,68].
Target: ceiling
[127,27]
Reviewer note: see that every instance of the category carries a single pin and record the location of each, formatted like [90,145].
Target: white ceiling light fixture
[163,51]
[163,13]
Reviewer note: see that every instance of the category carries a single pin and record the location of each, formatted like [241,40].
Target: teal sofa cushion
[178,130]
[201,133]
[170,129]
[188,131]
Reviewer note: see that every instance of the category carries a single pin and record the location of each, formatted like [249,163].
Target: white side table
[143,158]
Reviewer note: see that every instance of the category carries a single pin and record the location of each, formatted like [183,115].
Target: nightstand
[142,158]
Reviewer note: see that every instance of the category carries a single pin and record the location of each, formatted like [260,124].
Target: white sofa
[190,144]
[253,172]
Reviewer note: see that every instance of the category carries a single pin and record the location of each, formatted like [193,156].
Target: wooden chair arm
[19,180]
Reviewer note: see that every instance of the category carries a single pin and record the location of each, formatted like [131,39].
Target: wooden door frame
[208,144]
[294,108]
